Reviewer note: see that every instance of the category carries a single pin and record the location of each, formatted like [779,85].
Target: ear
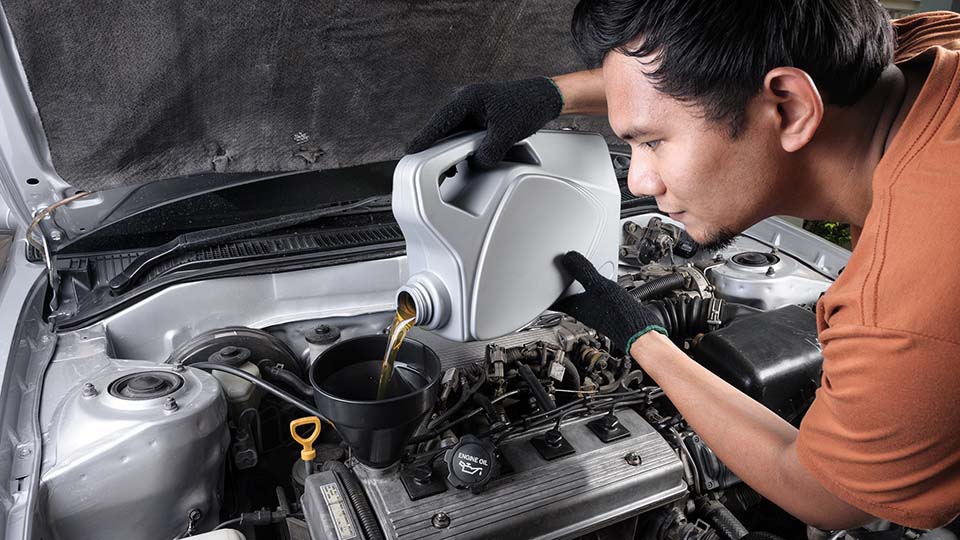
[797,103]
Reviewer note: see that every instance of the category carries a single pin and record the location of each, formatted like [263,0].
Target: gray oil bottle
[483,245]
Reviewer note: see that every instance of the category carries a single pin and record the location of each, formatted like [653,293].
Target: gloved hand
[509,111]
[605,306]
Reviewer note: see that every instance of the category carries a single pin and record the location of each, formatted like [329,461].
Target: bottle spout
[426,298]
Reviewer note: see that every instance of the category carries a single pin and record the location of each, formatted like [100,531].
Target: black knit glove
[509,111]
[605,306]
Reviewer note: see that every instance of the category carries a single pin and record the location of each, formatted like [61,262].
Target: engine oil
[483,246]
[402,322]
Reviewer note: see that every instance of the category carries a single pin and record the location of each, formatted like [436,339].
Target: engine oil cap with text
[472,464]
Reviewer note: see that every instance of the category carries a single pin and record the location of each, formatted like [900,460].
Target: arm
[754,442]
[583,92]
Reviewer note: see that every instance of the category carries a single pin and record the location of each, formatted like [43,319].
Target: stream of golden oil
[403,321]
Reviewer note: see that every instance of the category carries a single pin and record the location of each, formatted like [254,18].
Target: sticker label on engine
[338,511]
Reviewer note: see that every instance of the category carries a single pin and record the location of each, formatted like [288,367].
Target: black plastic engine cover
[774,357]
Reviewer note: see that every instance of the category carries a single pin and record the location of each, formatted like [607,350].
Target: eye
[652,145]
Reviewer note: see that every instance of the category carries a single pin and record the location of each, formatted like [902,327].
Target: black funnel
[344,379]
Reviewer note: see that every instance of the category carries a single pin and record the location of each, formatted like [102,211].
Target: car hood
[132,92]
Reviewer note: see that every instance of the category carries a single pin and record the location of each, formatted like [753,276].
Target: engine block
[600,483]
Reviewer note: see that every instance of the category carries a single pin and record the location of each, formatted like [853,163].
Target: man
[736,111]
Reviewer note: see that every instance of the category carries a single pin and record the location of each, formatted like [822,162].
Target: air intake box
[774,357]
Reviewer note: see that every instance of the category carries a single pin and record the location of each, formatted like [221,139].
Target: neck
[834,173]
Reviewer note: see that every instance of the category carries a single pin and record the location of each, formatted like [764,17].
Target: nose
[642,178]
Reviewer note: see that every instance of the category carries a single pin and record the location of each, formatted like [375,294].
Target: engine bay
[548,432]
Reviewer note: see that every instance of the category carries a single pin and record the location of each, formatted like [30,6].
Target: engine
[549,432]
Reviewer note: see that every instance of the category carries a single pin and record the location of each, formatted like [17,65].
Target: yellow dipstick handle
[308,453]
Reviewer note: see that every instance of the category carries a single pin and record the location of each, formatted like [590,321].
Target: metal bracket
[713,315]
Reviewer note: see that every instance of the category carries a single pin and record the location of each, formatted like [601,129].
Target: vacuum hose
[274,372]
[368,520]
[657,288]
[537,389]
[723,520]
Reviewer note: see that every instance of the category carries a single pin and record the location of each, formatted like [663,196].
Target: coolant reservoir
[483,246]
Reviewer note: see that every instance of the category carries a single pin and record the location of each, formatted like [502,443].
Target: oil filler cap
[472,464]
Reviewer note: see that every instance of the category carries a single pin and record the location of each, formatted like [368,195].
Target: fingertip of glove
[573,260]
[484,159]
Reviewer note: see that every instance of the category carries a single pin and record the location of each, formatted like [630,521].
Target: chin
[712,239]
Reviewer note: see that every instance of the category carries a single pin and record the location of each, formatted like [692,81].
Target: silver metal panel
[23,360]
[767,287]
[542,499]
[118,468]
[152,328]
[804,245]
[24,153]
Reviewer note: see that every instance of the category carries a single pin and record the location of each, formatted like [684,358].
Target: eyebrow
[635,134]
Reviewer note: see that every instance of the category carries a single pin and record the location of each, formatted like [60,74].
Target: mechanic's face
[714,184]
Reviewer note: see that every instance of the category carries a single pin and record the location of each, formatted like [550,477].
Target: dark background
[130,92]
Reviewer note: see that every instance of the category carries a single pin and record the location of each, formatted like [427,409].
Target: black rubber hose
[761,535]
[570,371]
[722,519]
[539,392]
[368,520]
[684,317]
[488,409]
[272,371]
[657,288]
[282,394]
[465,396]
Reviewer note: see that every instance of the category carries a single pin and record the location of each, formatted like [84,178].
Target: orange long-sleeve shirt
[884,431]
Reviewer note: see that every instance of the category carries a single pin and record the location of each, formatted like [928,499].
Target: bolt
[633,458]
[553,438]
[170,404]
[422,473]
[44,339]
[323,334]
[89,390]
[771,271]
[632,227]
[440,520]
[193,519]
[24,452]
[717,257]
[56,235]
[178,366]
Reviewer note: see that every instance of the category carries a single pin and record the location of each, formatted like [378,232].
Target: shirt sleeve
[884,431]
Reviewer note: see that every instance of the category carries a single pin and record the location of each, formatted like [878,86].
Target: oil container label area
[338,511]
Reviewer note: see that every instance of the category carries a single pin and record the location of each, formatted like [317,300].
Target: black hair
[715,54]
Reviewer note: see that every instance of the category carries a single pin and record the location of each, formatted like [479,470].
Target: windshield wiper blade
[123,281]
